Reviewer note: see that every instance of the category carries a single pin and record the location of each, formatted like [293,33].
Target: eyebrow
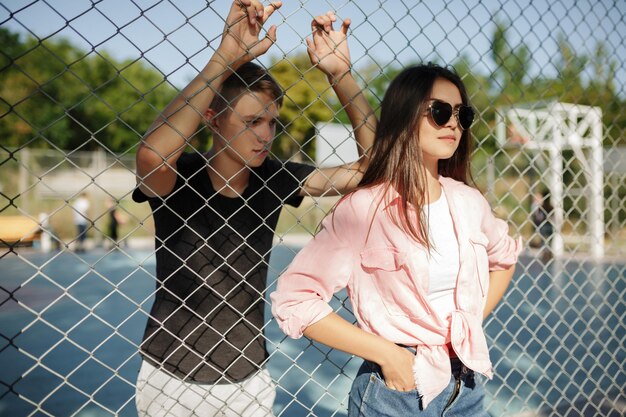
[444,101]
[454,106]
[251,117]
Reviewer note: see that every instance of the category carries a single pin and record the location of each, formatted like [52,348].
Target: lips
[448,138]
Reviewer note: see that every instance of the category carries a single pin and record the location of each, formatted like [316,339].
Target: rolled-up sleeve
[321,268]
[502,249]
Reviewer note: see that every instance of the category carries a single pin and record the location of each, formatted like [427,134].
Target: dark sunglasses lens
[440,112]
[466,116]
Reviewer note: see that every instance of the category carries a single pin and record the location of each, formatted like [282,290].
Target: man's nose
[265,134]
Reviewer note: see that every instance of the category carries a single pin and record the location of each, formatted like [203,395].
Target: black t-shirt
[212,254]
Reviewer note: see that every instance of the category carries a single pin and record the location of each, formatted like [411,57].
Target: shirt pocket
[479,243]
[391,276]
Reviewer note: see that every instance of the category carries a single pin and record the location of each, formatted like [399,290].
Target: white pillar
[46,241]
[596,205]
[556,196]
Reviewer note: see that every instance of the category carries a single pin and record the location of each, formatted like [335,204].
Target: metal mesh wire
[80,82]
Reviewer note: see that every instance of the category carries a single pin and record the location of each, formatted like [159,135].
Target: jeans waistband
[459,370]
[450,349]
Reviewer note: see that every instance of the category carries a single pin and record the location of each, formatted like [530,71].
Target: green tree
[56,95]
[308,99]
[511,68]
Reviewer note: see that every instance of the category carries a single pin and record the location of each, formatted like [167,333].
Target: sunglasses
[440,113]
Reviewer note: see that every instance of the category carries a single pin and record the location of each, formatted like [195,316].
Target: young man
[81,220]
[215,216]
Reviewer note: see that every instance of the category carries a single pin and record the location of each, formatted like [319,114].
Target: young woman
[421,254]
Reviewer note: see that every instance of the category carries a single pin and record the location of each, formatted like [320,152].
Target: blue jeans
[370,397]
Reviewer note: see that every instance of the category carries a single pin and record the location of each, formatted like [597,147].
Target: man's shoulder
[287,175]
[190,160]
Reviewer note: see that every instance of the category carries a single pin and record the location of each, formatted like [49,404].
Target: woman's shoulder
[366,194]
[456,187]
[358,205]
[363,198]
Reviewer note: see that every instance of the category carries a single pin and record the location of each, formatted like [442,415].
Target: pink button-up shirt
[386,274]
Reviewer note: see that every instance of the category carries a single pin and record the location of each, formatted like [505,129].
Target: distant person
[215,214]
[81,220]
[116,219]
[421,254]
[541,215]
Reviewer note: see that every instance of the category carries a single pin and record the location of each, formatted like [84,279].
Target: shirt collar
[391,197]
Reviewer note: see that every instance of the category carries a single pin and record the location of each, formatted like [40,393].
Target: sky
[178,37]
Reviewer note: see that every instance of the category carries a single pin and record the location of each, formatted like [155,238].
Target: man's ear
[211,119]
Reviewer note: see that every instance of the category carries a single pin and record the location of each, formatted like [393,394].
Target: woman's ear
[211,119]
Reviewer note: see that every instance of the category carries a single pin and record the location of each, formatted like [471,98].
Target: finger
[251,9]
[271,35]
[246,7]
[320,22]
[241,6]
[325,23]
[345,26]
[270,9]
[330,18]
[266,43]
[316,23]
[311,51]
[312,48]
[258,11]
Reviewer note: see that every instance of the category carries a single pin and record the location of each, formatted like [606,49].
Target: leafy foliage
[307,100]
[53,94]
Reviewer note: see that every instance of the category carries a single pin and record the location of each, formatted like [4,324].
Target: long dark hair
[396,153]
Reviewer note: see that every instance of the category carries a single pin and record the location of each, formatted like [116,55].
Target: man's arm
[329,51]
[167,137]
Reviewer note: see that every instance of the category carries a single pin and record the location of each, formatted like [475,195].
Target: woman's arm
[395,362]
[502,252]
[498,283]
[323,267]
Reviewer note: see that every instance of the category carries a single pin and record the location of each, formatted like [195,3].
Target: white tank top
[444,260]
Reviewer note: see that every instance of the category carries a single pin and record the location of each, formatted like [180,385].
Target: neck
[228,177]
[433,186]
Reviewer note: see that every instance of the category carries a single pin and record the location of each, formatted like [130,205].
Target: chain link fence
[80,82]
